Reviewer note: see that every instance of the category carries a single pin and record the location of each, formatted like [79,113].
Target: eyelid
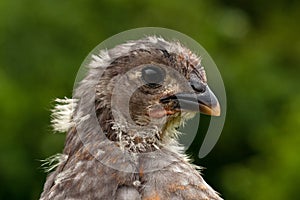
[200,73]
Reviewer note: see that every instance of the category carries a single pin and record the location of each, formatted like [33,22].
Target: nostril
[198,86]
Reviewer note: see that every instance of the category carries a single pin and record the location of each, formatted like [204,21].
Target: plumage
[122,124]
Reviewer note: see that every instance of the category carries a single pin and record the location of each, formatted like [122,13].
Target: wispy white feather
[53,161]
[62,114]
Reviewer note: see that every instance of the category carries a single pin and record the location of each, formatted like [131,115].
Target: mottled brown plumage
[138,93]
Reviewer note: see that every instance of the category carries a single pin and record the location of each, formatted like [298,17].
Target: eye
[153,76]
[196,83]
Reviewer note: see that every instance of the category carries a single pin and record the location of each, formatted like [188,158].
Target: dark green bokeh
[255,45]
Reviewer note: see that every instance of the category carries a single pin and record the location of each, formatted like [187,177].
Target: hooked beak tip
[213,110]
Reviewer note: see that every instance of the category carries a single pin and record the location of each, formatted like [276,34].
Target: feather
[62,114]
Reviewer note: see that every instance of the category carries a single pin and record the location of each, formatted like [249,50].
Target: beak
[205,102]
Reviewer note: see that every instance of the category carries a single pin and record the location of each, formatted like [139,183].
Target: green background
[255,44]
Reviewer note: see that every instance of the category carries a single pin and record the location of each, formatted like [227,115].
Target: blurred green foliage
[254,43]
